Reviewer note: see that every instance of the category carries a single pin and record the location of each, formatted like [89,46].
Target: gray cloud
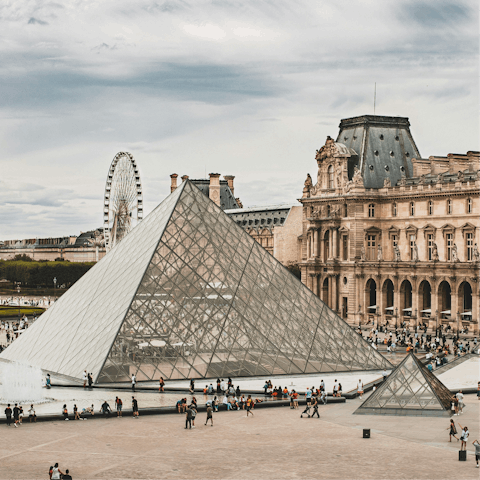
[437,14]
[36,21]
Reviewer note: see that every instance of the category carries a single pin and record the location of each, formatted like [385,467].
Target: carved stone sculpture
[415,252]
[308,185]
[362,254]
[357,176]
[379,253]
[454,253]
[402,182]
[435,256]
[476,253]
[396,252]
[460,176]
[387,183]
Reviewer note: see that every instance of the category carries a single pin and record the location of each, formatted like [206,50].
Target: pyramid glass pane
[411,389]
[189,294]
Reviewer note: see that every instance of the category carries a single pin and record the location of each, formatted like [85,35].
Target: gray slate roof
[384,145]
[227,200]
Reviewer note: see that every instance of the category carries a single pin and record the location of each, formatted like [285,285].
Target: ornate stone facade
[406,249]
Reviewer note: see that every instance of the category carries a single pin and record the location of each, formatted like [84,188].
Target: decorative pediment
[468,226]
[429,226]
[393,231]
[411,229]
[447,227]
[343,229]
[331,149]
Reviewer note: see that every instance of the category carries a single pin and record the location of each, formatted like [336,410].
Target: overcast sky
[246,88]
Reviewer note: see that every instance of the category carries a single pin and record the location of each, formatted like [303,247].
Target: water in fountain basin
[21,383]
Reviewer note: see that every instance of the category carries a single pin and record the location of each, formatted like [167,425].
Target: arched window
[371,210]
[412,209]
[430,207]
[394,210]
[449,207]
[469,205]
[331,177]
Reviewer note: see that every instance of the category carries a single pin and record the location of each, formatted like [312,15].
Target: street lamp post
[458,325]
[396,319]
[18,291]
[436,322]
[54,288]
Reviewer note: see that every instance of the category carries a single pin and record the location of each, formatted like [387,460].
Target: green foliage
[35,274]
[13,311]
[22,258]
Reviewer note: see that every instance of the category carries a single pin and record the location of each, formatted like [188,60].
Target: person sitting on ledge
[105,409]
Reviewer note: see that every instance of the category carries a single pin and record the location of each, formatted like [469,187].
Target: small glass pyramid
[189,294]
[411,389]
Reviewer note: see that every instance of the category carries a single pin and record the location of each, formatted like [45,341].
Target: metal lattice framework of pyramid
[189,294]
[411,389]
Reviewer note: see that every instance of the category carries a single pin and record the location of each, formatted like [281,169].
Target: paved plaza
[275,443]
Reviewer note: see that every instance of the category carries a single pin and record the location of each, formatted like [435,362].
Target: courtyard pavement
[275,443]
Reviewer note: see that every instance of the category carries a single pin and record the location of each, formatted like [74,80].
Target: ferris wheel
[123,203]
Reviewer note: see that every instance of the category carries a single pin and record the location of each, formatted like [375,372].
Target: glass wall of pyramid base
[411,389]
[189,294]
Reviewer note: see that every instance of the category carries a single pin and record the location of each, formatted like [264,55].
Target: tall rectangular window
[469,244]
[371,247]
[345,247]
[449,241]
[430,243]
[412,246]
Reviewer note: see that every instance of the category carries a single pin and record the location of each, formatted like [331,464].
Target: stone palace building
[389,235]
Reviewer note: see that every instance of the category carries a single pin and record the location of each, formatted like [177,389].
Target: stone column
[315,243]
[454,305]
[309,250]
[334,304]
[315,284]
[434,303]
[330,249]
[415,301]
[475,308]
[334,241]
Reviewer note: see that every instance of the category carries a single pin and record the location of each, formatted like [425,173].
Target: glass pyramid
[411,389]
[189,294]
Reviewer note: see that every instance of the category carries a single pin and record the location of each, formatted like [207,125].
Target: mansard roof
[385,147]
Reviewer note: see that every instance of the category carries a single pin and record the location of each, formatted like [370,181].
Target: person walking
[161,387]
[16,414]
[315,407]
[119,405]
[209,414]
[31,414]
[76,415]
[85,379]
[464,437]
[250,405]
[65,412]
[134,381]
[459,396]
[453,431]
[477,451]
[8,414]
[56,473]
[188,418]
[135,407]
[360,388]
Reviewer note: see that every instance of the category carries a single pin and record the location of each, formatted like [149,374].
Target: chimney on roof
[185,178]
[173,185]
[229,179]
[214,188]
